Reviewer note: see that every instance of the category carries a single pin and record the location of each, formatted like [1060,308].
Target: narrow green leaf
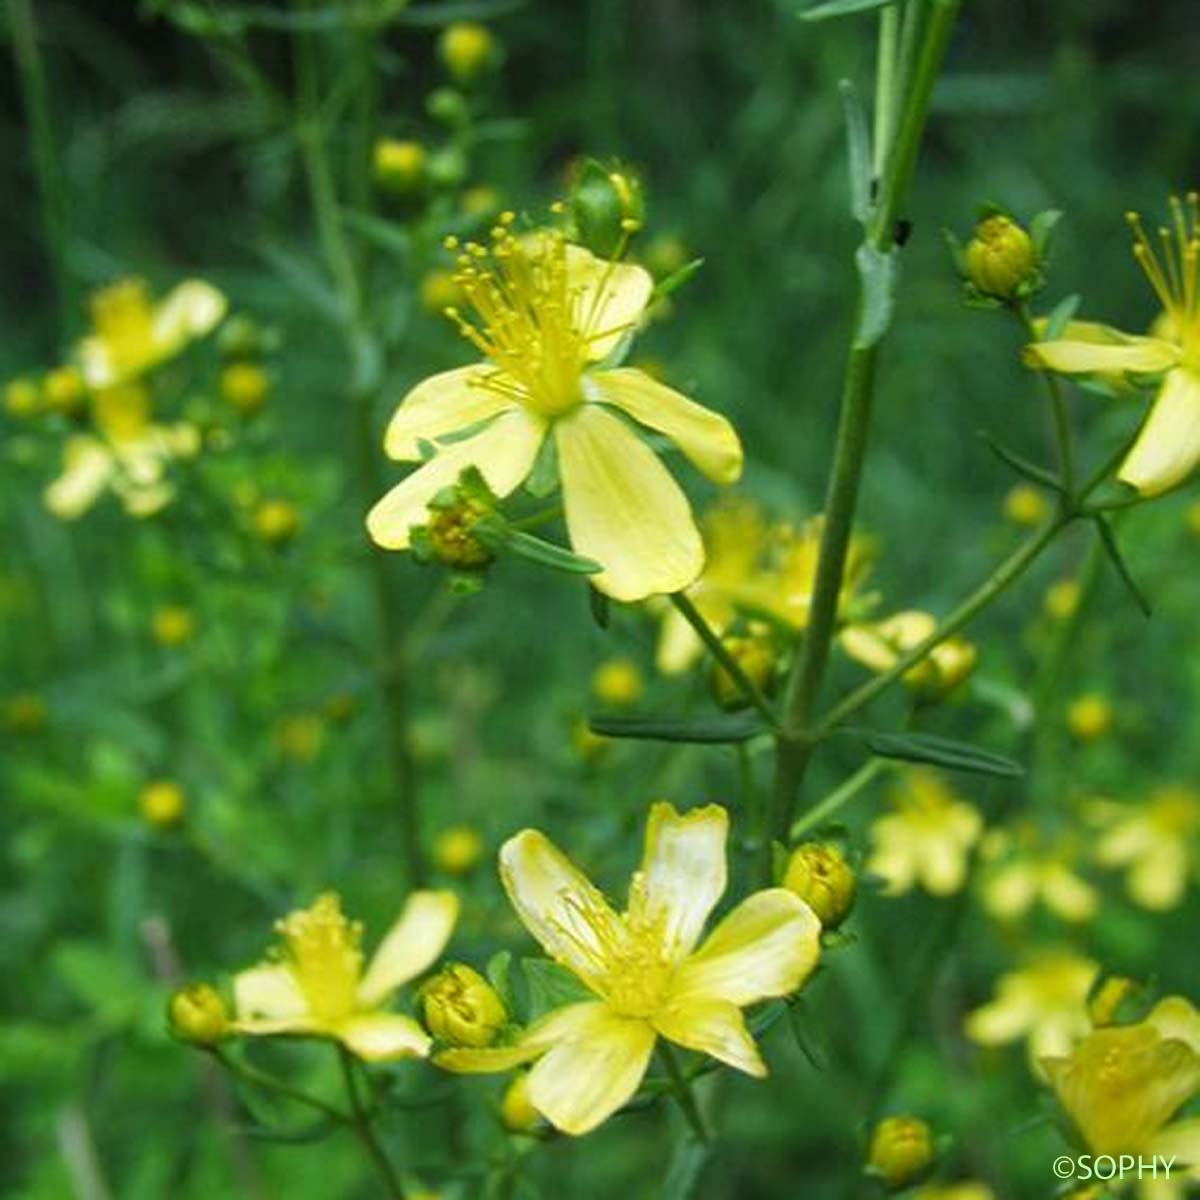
[675,280]
[800,1023]
[1041,229]
[1022,466]
[383,234]
[550,986]
[858,151]
[547,554]
[878,272]
[727,728]
[1060,315]
[938,751]
[842,8]
[1109,541]
[687,1164]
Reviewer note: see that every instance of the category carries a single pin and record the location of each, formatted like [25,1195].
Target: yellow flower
[1168,447]
[456,850]
[1026,506]
[1028,872]
[316,986]
[245,385]
[879,647]
[275,521]
[399,164]
[466,48]
[63,390]
[1089,717]
[131,334]
[927,839]
[162,803]
[1156,842]
[647,967]
[900,1151]
[172,625]
[128,455]
[1062,599]
[461,1008]
[823,879]
[196,1013]
[1044,1002]
[548,313]
[617,682]
[1122,1085]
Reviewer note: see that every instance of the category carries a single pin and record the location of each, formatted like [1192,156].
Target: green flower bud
[197,1014]
[901,1151]
[1000,259]
[608,207]
[822,878]
[461,1008]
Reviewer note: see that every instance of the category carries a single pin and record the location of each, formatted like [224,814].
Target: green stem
[1058,403]
[886,95]
[718,650]
[361,1122]
[36,100]
[682,1090]
[841,795]
[269,1083]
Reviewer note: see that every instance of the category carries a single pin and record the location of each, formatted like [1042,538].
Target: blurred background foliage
[269,716]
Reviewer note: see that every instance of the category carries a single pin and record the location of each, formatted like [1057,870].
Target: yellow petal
[1141,354]
[537,1039]
[1158,880]
[1174,1017]
[1067,895]
[187,312]
[87,468]
[715,1028]
[943,864]
[1010,891]
[268,992]
[440,405]
[383,1036]
[503,453]
[1180,1141]
[1168,448]
[584,1079]
[705,437]
[683,872]
[557,903]
[610,298]
[623,509]
[767,946]
[419,935]
[1003,1020]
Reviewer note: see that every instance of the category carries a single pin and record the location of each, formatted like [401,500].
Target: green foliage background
[730,110]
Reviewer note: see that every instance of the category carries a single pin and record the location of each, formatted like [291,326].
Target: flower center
[528,317]
[324,951]
[1173,270]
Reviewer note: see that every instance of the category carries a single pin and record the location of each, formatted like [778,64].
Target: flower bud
[63,391]
[172,625]
[467,48]
[162,803]
[241,337]
[481,200]
[399,165]
[822,878]
[22,399]
[244,386]
[1000,259]
[458,849]
[517,1113]
[197,1014]
[1026,506]
[1062,599]
[1089,717]
[607,207]
[447,105]
[448,167]
[461,1008]
[756,657]
[618,683]
[1106,999]
[448,536]
[276,521]
[901,1151]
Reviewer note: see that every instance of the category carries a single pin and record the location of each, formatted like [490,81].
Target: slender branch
[841,795]
[361,1122]
[1058,404]
[270,1083]
[682,1089]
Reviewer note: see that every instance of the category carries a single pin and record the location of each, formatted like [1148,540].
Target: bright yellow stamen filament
[324,951]
[1173,268]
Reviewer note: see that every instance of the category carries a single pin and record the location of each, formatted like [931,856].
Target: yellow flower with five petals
[1168,446]
[546,315]
[316,985]
[650,973]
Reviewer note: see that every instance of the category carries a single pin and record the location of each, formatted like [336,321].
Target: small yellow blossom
[1025,871]
[197,1014]
[458,849]
[1026,506]
[316,985]
[1157,842]
[63,390]
[1001,258]
[172,625]
[466,48]
[275,521]
[618,682]
[880,646]
[548,313]
[900,1151]
[1168,447]
[927,838]
[399,164]
[1122,1085]
[22,399]
[162,803]
[820,875]
[460,1007]
[300,737]
[1062,599]
[244,386]
[648,969]
[1044,1002]
[439,292]
[517,1113]
[24,712]
[131,334]
[1090,717]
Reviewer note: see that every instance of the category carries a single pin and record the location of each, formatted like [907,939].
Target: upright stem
[361,1123]
[682,1090]
[1058,404]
